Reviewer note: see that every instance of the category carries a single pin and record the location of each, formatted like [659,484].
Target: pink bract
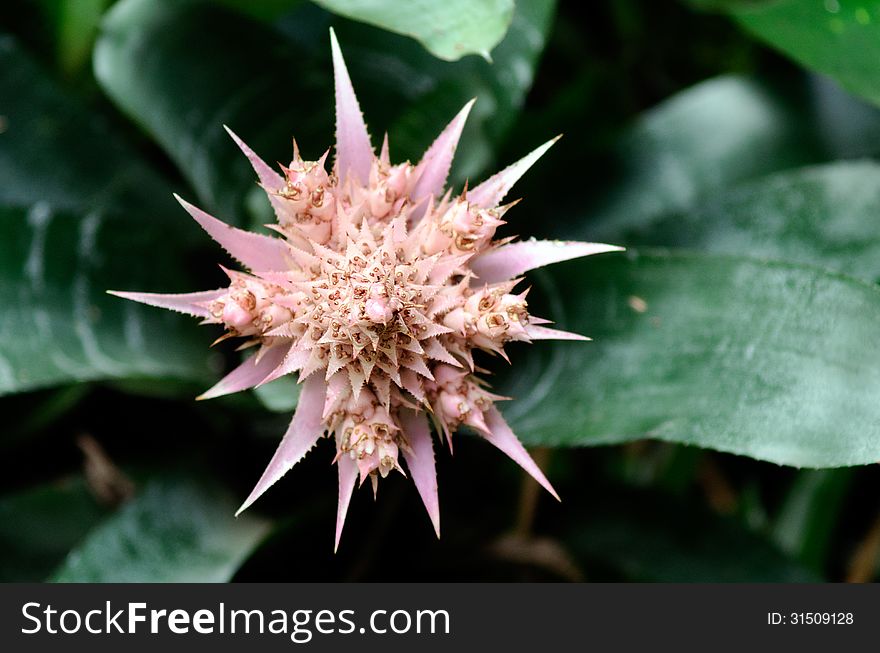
[376,293]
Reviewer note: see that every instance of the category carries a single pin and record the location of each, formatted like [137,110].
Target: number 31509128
[810,618]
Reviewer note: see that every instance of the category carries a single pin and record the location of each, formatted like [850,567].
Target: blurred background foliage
[731,145]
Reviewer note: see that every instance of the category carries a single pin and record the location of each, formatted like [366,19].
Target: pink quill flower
[377,291]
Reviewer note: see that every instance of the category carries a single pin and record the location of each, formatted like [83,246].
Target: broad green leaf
[718,134]
[59,325]
[702,140]
[449,29]
[825,215]
[839,38]
[79,215]
[39,526]
[171,531]
[55,151]
[650,538]
[806,521]
[771,360]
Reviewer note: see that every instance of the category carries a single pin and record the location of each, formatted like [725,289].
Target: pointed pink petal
[348,472]
[502,436]
[249,374]
[257,252]
[510,261]
[434,166]
[302,434]
[293,361]
[268,177]
[543,333]
[354,153]
[420,462]
[493,190]
[182,303]
[385,155]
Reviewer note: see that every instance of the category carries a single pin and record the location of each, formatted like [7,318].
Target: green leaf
[172,531]
[824,215]
[650,538]
[79,215]
[55,151]
[449,30]
[704,139]
[40,525]
[771,360]
[839,38]
[719,134]
[59,324]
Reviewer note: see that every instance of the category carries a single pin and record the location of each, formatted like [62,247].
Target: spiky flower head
[377,291]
